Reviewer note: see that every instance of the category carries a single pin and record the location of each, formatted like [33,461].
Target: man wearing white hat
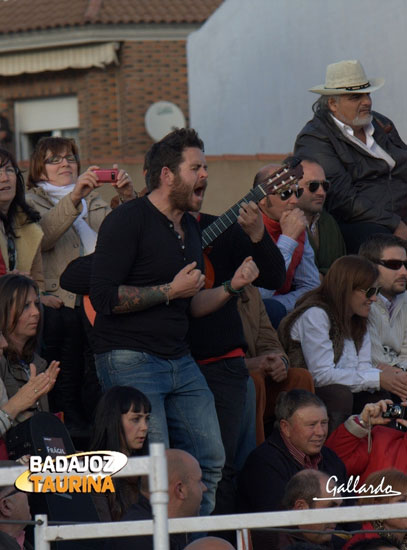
[362,155]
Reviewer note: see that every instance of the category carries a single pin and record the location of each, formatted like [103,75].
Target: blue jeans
[183,409]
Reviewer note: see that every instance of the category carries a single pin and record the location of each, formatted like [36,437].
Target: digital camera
[395,412]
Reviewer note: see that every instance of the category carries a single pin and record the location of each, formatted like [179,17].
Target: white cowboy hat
[347,77]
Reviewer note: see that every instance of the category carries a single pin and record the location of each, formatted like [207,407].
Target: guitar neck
[219,226]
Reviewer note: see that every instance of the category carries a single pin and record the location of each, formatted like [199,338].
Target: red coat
[389,448]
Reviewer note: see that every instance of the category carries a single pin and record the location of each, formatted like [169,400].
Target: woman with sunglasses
[71,213]
[327,334]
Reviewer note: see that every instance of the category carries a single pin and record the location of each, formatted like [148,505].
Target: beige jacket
[61,243]
[28,247]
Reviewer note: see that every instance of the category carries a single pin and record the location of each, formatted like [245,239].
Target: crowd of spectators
[265,363]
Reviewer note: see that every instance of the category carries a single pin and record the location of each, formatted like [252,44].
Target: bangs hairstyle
[345,275]
[396,478]
[19,199]
[56,146]
[13,296]
[108,430]
[169,152]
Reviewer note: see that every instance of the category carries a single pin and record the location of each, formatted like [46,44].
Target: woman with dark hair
[20,366]
[72,212]
[327,334]
[20,234]
[121,424]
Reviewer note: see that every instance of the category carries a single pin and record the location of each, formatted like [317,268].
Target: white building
[252,62]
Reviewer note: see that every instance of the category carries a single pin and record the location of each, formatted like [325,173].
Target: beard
[180,195]
[362,120]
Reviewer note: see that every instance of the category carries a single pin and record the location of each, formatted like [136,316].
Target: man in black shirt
[146,280]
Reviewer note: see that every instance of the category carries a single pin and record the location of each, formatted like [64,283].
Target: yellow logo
[77,473]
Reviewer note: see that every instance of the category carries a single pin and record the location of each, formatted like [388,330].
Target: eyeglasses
[285,195]
[392,264]
[57,159]
[315,184]
[372,291]
[9,171]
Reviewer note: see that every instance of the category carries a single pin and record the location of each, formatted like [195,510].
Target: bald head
[210,543]
[264,172]
[179,465]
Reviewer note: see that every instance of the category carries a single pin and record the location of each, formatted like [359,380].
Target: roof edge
[72,36]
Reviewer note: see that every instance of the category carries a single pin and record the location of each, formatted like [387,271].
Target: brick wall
[112,101]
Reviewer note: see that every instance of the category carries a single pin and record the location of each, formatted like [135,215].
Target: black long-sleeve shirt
[221,332]
[138,246]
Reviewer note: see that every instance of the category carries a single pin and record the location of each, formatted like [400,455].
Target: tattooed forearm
[137,298]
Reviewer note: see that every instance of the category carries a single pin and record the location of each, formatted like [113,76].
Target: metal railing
[155,467]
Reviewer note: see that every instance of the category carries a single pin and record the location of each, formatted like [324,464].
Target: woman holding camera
[71,213]
[327,334]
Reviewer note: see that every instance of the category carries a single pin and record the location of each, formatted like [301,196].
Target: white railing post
[40,543]
[159,495]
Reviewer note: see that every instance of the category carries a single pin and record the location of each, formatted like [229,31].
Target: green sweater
[331,243]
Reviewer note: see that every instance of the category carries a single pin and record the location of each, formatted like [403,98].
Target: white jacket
[389,338]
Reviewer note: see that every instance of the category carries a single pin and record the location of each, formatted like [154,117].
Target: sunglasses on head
[392,264]
[314,185]
[285,195]
[372,291]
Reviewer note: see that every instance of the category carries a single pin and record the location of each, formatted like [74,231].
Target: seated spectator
[297,443]
[361,153]
[71,214]
[398,481]
[388,315]
[300,494]
[265,359]
[286,224]
[185,490]
[323,232]
[20,320]
[121,424]
[13,507]
[387,447]
[327,333]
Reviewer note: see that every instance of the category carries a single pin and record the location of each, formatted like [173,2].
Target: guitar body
[209,270]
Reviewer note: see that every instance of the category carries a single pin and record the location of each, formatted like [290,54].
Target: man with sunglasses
[362,154]
[286,223]
[323,232]
[388,315]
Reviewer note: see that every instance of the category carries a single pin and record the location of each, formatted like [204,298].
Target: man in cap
[361,153]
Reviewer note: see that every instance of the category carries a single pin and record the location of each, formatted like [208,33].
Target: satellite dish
[163,117]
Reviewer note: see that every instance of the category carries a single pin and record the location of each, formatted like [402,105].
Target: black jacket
[363,188]
[262,481]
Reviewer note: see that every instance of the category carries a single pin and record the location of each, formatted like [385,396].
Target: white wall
[252,62]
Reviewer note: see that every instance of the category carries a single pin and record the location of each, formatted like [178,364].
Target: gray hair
[321,105]
[289,402]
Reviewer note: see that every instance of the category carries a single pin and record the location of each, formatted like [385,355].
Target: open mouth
[7,188]
[199,191]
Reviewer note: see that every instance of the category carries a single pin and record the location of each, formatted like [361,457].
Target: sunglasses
[392,264]
[372,291]
[314,185]
[285,195]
